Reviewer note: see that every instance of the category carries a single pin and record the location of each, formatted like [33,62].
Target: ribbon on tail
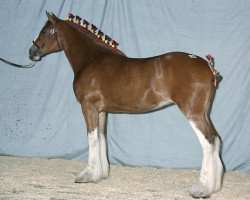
[214,71]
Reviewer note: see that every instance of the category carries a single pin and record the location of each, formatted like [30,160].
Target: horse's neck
[78,47]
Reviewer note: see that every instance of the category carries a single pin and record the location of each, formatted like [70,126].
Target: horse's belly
[162,104]
[136,105]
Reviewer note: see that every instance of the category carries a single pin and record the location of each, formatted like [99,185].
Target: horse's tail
[216,74]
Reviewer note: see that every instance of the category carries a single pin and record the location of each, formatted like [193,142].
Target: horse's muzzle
[35,51]
[34,54]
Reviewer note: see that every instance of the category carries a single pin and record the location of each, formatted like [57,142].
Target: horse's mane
[91,34]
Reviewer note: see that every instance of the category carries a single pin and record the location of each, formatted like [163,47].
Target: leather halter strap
[55,31]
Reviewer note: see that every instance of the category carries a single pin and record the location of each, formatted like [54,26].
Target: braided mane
[93,31]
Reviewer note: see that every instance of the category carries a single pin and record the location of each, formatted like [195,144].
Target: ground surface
[32,178]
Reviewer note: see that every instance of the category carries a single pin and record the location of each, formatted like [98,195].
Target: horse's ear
[52,17]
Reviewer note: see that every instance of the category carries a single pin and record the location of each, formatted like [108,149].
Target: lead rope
[17,65]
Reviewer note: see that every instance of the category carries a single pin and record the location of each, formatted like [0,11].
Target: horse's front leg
[103,144]
[93,172]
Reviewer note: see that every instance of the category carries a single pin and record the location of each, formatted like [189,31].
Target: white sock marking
[94,162]
[211,170]
[103,155]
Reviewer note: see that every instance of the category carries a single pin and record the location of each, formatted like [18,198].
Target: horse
[106,80]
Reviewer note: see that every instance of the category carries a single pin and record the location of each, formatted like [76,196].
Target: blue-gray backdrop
[40,117]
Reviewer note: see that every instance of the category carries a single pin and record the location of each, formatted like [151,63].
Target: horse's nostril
[31,51]
[32,54]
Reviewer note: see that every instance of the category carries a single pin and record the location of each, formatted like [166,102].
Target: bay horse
[105,80]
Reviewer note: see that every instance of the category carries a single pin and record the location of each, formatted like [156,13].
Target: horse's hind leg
[212,169]
[195,104]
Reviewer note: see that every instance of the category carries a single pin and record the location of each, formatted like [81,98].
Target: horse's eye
[43,32]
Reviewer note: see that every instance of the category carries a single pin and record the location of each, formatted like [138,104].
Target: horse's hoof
[199,190]
[87,176]
[105,176]
[84,179]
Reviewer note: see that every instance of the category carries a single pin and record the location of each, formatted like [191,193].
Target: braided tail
[216,74]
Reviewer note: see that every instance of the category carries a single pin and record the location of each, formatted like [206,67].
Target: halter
[51,32]
[39,48]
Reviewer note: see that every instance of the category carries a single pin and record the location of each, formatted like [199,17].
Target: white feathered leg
[211,170]
[93,171]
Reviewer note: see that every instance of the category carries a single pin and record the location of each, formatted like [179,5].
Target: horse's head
[47,40]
